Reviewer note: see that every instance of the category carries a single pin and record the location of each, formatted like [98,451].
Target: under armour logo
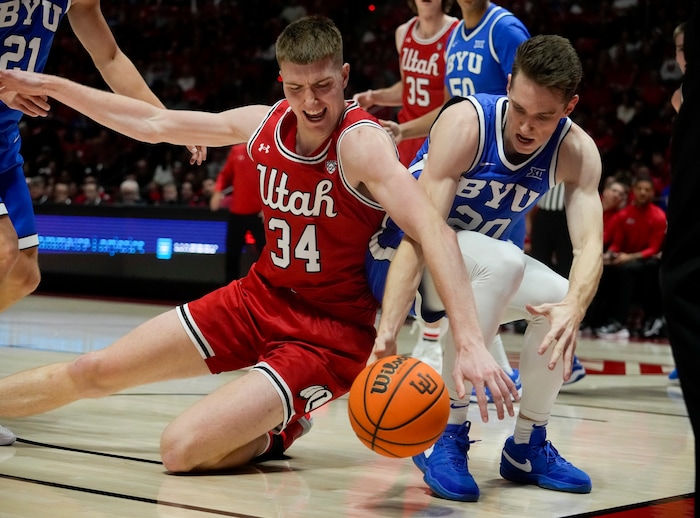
[264,147]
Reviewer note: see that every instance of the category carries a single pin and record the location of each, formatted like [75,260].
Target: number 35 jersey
[317,226]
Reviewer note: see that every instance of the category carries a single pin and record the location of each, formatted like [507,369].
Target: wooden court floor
[624,423]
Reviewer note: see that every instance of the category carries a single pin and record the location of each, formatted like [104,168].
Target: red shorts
[309,357]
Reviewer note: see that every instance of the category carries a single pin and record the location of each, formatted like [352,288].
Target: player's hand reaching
[198,154]
[384,345]
[481,369]
[565,319]
[393,129]
[29,84]
[32,105]
[365,99]
[24,91]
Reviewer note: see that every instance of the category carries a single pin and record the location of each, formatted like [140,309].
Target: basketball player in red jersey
[303,318]
[420,43]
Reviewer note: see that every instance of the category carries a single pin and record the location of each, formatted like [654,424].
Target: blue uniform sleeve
[508,34]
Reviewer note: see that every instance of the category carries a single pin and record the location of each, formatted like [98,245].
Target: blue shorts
[15,200]
[381,251]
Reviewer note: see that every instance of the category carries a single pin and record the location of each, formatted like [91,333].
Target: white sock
[430,332]
[523,429]
[458,411]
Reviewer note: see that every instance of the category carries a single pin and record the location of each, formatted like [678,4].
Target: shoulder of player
[83,10]
[579,155]
[361,141]
[578,140]
[401,32]
[366,152]
[85,3]
[458,111]
[508,24]
[451,21]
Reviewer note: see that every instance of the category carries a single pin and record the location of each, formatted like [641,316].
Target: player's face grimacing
[533,114]
[316,94]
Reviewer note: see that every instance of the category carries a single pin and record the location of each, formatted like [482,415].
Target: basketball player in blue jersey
[479,56]
[511,150]
[26,35]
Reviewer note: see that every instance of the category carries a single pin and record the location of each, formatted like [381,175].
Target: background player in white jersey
[26,35]
[328,171]
[512,150]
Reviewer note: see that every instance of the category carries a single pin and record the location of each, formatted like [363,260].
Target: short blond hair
[310,39]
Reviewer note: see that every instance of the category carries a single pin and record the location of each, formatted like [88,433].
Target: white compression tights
[504,280]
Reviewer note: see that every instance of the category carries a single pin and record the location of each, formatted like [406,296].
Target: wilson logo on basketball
[381,381]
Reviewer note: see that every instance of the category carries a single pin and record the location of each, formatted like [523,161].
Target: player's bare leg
[227,428]
[19,269]
[157,350]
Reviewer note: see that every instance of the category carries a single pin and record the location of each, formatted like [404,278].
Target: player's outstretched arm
[580,169]
[118,71]
[138,119]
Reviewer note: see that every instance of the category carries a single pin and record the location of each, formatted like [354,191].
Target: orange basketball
[398,406]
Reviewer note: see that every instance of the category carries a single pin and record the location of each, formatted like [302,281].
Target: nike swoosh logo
[486,164]
[525,466]
[458,405]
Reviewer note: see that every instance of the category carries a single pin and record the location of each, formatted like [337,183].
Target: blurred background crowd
[218,54]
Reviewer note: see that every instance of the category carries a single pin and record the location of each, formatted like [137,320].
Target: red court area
[678,507]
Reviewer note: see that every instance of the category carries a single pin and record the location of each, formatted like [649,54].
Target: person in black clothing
[680,266]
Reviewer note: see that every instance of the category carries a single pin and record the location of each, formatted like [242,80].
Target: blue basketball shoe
[489,398]
[539,463]
[445,467]
[578,372]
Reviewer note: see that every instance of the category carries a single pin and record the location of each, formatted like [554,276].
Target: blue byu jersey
[27,30]
[480,59]
[493,195]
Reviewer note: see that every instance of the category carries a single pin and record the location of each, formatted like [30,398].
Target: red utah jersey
[317,226]
[423,72]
